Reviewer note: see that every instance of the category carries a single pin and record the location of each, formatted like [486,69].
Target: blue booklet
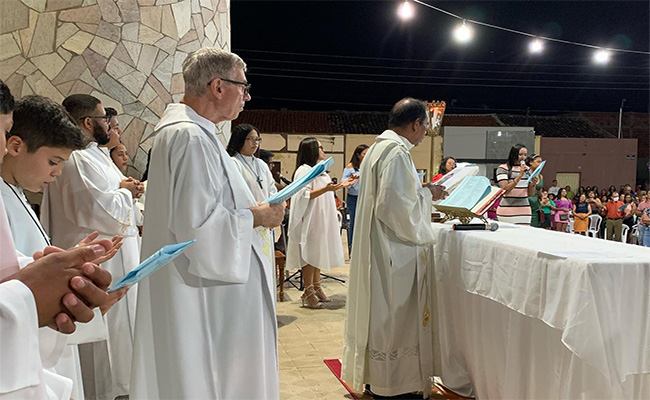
[536,172]
[296,185]
[152,264]
[470,191]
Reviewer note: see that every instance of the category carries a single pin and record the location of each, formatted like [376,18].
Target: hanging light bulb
[463,33]
[405,11]
[602,56]
[536,46]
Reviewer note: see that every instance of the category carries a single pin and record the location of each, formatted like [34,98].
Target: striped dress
[514,207]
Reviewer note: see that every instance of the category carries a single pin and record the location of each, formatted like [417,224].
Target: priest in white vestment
[92,195]
[388,339]
[206,326]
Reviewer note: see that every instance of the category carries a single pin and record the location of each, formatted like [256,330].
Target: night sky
[358,55]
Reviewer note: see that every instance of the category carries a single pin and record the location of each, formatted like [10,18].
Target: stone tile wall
[128,53]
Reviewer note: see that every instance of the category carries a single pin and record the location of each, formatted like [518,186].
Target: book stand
[464,215]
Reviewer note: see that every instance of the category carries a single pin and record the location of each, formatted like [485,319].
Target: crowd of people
[560,208]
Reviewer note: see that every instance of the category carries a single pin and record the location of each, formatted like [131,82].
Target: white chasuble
[206,326]
[388,338]
[314,231]
[87,197]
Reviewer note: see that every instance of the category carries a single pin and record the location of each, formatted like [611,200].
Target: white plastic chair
[624,232]
[594,225]
[569,227]
[636,234]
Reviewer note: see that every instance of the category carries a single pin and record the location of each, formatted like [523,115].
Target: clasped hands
[68,284]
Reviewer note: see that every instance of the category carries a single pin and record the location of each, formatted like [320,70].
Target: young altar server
[91,194]
[314,232]
[244,148]
[388,340]
[36,296]
[206,326]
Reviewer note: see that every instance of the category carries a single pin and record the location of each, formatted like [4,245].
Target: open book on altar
[454,177]
[473,194]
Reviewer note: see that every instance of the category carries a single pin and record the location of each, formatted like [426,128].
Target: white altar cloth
[529,313]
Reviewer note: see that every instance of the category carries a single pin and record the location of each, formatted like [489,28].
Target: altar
[527,313]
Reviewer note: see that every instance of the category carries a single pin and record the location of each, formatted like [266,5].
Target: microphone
[493,226]
[285,180]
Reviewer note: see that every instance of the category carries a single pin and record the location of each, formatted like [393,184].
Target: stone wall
[128,53]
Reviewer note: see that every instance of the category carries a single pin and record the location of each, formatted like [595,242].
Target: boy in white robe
[388,340]
[206,326]
[36,296]
[91,194]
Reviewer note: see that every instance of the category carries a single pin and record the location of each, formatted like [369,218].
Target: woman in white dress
[314,232]
[244,148]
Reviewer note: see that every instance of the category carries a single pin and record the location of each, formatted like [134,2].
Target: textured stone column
[128,53]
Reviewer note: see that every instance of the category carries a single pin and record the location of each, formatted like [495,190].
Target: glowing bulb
[536,46]
[405,11]
[602,56]
[463,33]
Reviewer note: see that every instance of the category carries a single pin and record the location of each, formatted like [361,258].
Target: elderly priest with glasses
[206,326]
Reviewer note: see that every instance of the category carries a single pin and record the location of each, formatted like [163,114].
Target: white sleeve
[21,373]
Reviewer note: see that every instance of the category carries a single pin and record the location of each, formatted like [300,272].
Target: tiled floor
[307,337]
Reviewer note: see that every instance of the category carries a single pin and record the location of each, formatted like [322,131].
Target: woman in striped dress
[514,207]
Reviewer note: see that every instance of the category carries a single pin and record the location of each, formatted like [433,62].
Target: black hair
[442,169]
[308,152]
[356,156]
[238,138]
[532,158]
[266,155]
[513,157]
[80,105]
[40,122]
[7,102]
[113,149]
[406,111]
[110,112]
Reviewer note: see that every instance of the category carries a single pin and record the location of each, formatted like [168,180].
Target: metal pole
[620,118]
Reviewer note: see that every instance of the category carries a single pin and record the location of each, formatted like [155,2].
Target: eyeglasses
[321,147]
[254,139]
[246,85]
[106,118]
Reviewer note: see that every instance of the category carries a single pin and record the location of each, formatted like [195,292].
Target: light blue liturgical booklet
[296,185]
[152,264]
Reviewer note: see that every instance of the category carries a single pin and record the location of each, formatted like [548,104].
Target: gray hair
[203,65]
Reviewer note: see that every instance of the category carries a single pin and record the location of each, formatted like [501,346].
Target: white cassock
[59,352]
[87,197]
[258,176]
[388,339]
[206,326]
[314,232]
[22,375]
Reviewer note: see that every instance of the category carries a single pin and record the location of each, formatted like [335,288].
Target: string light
[602,56]
[536,46]
[405,11]
[463,33]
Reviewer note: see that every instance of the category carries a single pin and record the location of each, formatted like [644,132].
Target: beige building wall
[128,53]
[340,147]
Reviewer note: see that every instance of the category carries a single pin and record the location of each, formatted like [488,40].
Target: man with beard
[92,195]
